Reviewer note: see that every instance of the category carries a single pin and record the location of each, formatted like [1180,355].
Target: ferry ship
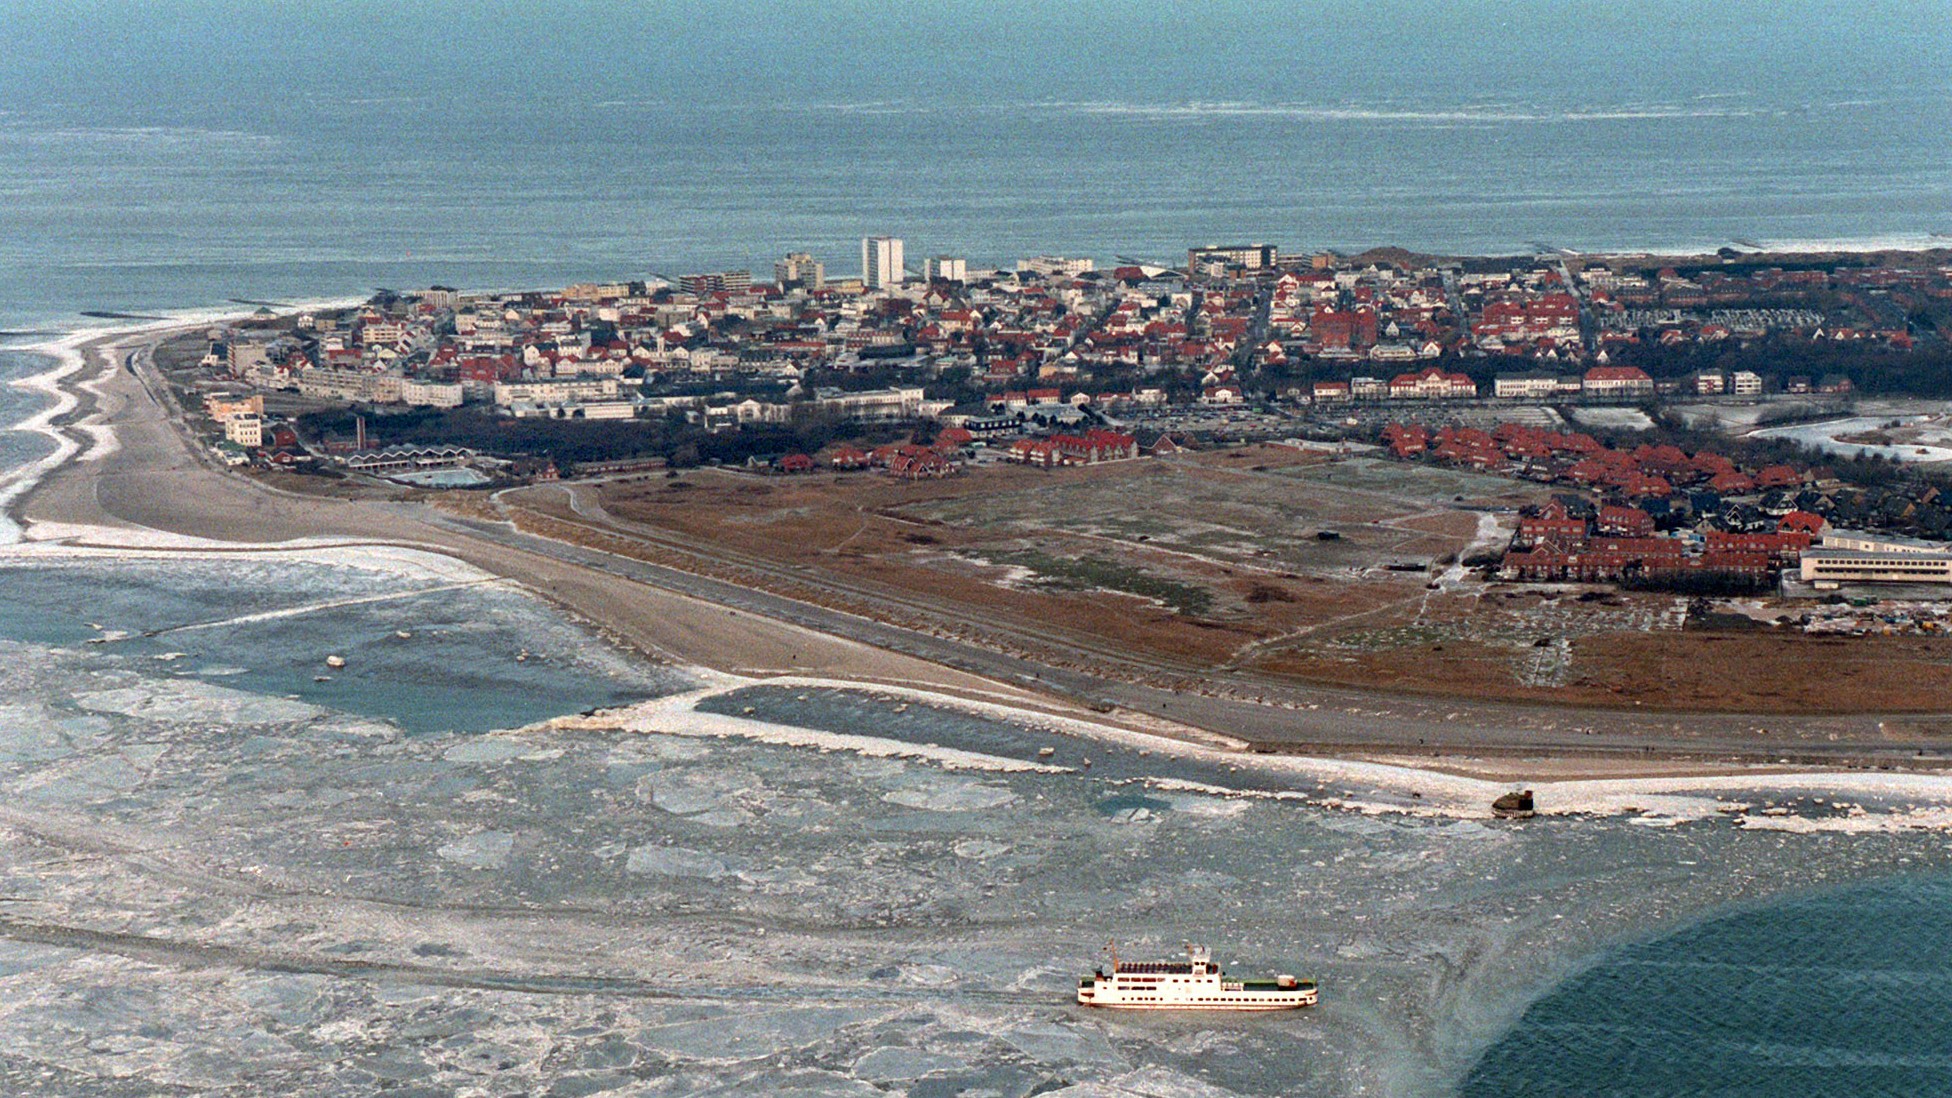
[1193,984]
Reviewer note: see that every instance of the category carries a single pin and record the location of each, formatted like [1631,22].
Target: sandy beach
[129,478]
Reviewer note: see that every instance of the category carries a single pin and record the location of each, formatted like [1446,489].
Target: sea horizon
[332,194]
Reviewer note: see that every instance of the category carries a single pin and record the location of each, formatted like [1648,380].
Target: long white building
[556,391]
[1848,556]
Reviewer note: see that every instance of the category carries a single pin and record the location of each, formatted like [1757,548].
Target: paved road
[1588,323]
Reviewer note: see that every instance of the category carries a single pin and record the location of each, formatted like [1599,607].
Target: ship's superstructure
[1193,984]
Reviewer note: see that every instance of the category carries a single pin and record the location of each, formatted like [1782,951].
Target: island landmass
[1559,537]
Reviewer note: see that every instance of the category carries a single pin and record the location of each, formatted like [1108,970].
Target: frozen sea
[213,888]
[226,867]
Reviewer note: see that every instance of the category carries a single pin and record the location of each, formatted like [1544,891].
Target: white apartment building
[1528,386]
[1055,266]
[800,269]
[224,407]
[245,430]
[881,262]
[326,383]
[250,361]
[382,332]
[432,394]
[1828,568]
[597,409]
[1851,556]
[875,405]
[559,390]
[948,268]
[1861,542]
[1253,257]
[1745,383]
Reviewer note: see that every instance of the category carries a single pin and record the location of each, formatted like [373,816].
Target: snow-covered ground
[1930,436]
[1617,419]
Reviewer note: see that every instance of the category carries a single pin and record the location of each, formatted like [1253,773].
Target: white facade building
[881,262]
[1525,386]
[432,394]
[245,430]
[948,268]
[556,391]
[328,383]
[1055,266]
[800,269]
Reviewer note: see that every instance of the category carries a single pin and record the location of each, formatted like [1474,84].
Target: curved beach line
[69,352]
[68,361]
[1905,801]
[53,542]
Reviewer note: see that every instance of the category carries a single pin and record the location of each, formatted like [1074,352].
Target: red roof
[1617,373]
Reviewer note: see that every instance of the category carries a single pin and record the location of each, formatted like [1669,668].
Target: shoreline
[45,505]
[69,359]
[1902,801]
[69,505]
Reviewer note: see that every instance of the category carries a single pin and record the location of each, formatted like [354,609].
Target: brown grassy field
[1210,564]
[1628,652]
[1188,561]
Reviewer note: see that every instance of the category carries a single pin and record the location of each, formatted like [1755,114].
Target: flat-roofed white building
[948,268]
[1826,567]
[1853,556]
[328,383]
[1865,542]
[245,430]
[560,390]
[1525,386]
[802,270]
[432,394]
[881,262]
[876,405]
[1055,266]
[248,360]
[596,409]
[377,332]
[222,407]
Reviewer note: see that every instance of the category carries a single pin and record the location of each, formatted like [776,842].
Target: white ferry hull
[1194,984]
[1197,1006]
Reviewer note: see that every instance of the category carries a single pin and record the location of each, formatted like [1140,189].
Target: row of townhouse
[1645,472]
[1088,448]
[1618,542]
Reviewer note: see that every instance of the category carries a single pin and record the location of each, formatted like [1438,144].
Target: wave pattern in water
[21,448]
[1846,992]
[335,197]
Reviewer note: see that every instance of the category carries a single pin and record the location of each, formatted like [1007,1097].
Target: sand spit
[1852,801]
